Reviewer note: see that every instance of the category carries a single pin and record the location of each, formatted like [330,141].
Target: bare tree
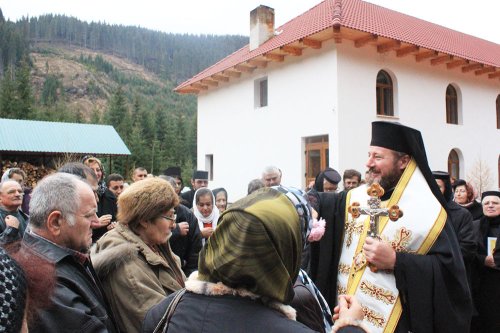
[480,176]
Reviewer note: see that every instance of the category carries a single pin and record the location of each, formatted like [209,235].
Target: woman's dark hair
[202,192]
[218,190]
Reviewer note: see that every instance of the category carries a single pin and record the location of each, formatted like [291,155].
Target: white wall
[243,139]
[331,92]
[419,103]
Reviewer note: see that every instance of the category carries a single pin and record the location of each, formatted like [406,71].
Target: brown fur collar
[218,289]
[107,261]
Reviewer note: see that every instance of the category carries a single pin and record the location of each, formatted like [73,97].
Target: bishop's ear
[404,161]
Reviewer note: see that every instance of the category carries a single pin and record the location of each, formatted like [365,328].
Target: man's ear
[404,161]
[192,182]
[54,223]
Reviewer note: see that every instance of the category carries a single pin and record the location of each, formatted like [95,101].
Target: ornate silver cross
[374,210]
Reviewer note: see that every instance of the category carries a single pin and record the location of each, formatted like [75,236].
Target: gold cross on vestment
[351,228]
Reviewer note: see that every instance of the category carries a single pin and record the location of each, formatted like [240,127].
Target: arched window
[385,104]
[498,111]
[451,105]
[453,164]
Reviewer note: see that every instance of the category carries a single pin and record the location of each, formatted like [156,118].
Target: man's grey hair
[169,179]
[58,191]
[254,185]
[5,182]
[271,169]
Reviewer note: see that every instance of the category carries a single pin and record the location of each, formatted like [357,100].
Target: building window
[260,90]
[454,164]
[498,112]
[385,96]
[209,166]
[317,154]
[451,105]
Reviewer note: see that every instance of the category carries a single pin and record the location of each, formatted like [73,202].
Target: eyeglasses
[171,218]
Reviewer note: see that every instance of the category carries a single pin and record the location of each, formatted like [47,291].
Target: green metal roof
[52,137]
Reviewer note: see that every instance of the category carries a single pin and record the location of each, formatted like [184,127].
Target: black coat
[79,305]
[219,314]
[461,220]
[188,197]
[106,205]
[186,247]
[10,234]
[486,280]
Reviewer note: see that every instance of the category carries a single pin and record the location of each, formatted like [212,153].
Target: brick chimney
[261,26]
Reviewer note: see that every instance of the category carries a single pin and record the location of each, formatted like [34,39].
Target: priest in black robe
[427,285]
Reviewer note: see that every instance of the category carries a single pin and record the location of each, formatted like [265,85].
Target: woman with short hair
[134,261]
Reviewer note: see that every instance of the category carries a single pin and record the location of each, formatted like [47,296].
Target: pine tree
[7,96]
[25,100]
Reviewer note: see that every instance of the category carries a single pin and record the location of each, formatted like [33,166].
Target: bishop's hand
[379,253]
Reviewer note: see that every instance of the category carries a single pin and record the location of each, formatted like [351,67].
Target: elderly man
[63,207]
[12,220]
[408,274]
[271,176]
[199,180]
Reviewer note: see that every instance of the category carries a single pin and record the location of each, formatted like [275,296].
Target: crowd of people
[405,249]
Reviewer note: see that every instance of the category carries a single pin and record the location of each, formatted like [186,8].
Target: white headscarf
[212,218]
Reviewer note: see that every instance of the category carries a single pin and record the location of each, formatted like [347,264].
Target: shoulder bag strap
[165,319]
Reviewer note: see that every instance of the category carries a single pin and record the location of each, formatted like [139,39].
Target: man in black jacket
[63,208]
[13,221]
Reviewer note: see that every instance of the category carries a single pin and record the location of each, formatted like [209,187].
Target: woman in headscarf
[134,261]
[246,273]
[205,211]
[220,195]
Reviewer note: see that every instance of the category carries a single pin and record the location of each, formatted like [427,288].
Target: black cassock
[486,280]
[433,288]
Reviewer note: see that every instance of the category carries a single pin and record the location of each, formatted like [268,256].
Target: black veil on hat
[407,140]
[445,177]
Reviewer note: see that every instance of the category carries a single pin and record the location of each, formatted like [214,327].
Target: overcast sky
[478,17]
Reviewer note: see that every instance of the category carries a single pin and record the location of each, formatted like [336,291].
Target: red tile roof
[370,18]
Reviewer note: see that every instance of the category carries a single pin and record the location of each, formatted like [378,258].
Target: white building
[303,96]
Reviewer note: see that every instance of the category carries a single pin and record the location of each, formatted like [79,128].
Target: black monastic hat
[172,171]
[400,138]
[441,175]
[200,174]
[332,175]
[490,193]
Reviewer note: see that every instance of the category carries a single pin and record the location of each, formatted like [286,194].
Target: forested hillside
[59,68]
